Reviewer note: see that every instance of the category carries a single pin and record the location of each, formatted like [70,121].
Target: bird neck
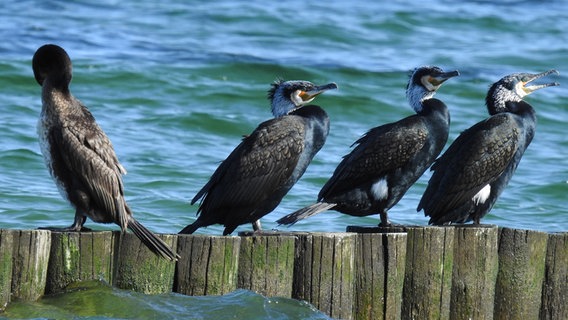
[281,107]
[416,97]
[55,100]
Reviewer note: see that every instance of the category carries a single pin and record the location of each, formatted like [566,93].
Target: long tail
[305,212]
[151,241]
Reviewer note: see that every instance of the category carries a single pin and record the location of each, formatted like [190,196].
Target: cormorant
[388,159]
[469,177]
[79,155]
[255,177]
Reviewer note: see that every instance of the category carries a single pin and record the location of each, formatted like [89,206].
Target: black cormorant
[79,155]
[388,159]
[255,177]
[469,177]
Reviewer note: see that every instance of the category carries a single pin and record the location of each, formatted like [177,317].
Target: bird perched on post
[469,177]
[255,177]
[388,159]
[78,154]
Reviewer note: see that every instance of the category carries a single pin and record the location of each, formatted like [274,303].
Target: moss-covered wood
[555,287]
[80,256]
[266,264]
[518,291]
[30,262]
[428,276]
[443,272]
[380,264]
[324,272]
[474,272]
[139,269]
[6,250]
[208,265]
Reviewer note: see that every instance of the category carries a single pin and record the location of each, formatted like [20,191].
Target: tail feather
[151,241]
[192,227]
[305,212]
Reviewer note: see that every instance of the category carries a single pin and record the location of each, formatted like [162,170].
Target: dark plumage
[255,177]
[469,177]
[79,155]
[388,159]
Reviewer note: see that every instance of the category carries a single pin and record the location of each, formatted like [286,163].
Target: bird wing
[379,151]
[89,157]
[476,158]
[258,166]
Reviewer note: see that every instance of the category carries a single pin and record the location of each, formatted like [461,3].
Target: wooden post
[139,269]
[6,252]
[555,288]
[79,256]
[428,277]
[324,272]
[475,272]
[266,264]
[380,263]
[30,261]
[522,256]
[208,264]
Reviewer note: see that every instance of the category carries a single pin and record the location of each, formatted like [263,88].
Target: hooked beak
[310,95]
[531,77]
[440,78]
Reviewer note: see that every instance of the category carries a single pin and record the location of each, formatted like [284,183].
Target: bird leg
[77,225]
[256,226]
[384,220]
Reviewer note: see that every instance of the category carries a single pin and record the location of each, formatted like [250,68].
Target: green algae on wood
[428,276]
[555,286]
[324,272]
[518,291]
[208,265]
[139,269]
[30,263]
[80,256]
[475,272]
[266,264]
[380,266]
[6,251]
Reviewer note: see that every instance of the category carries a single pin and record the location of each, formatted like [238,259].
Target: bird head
[285,96]
[513,88]
[423,83]
[51,61]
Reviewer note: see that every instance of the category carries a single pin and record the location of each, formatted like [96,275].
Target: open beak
[531,77]
[310,95]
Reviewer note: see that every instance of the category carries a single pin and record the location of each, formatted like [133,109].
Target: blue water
[175,84]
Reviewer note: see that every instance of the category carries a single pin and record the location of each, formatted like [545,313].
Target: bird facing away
[469,177]
[388,159]
[255,177]
[78,154]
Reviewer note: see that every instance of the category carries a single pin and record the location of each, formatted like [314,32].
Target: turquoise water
[175,84]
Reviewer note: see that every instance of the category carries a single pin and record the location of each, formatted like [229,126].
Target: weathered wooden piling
[324,272]
[80,256]
[266,264]
[474,274]
[518,291]
[30,263]
[555,287]
[463,272]
[428,276]
[138,269]
[380,265]
[208,265]
[6,251]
